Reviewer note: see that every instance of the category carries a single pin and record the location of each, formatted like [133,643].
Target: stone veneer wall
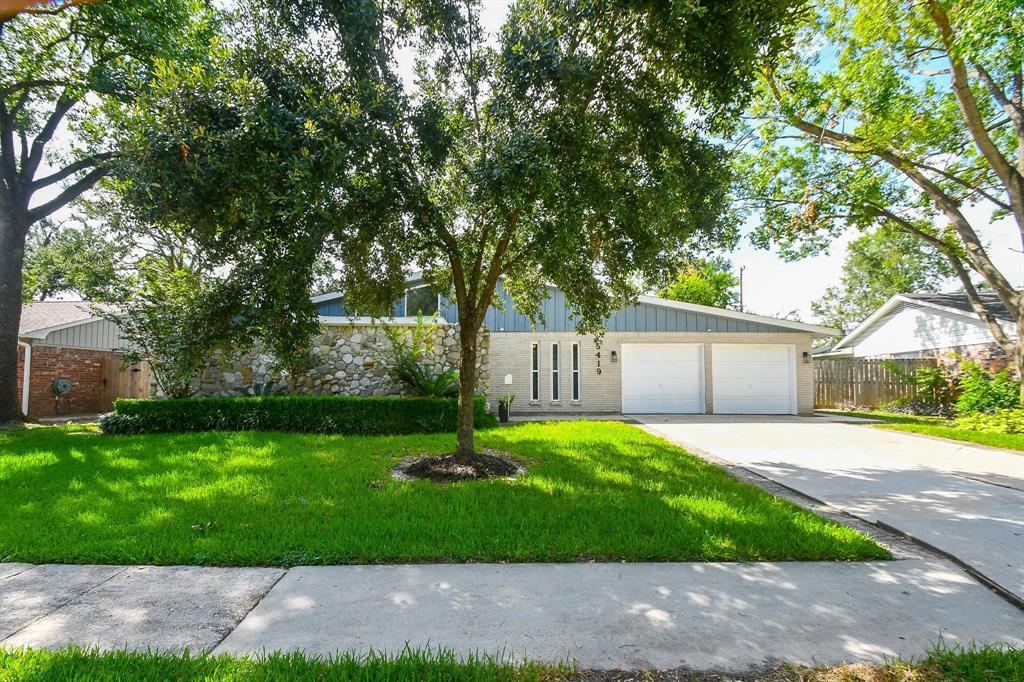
[347,361]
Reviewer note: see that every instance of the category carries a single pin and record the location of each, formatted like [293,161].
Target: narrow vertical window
[554,372]
[534,372]
[575,372]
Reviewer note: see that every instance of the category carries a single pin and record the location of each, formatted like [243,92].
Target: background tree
[66,67]
[707,281]
[78,260]
[879,265]
[557,152]
[903,114]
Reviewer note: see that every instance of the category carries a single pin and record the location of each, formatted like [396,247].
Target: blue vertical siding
[640,317]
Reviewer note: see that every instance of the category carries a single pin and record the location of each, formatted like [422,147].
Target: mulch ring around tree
[448,469]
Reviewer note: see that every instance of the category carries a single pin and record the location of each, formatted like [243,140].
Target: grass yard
[971,664]
[939,428]
[595,490]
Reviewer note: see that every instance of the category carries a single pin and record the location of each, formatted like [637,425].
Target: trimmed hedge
[298,413]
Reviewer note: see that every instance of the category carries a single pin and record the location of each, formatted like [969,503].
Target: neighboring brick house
[66,340]
[940,326]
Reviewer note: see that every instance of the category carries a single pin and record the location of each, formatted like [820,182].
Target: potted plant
[504,405]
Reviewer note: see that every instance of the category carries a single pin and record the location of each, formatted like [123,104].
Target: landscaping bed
[937,427]
[592,491]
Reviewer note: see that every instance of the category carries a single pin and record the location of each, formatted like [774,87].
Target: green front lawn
[121,666]
[937,427]
[961,664]
[595,490]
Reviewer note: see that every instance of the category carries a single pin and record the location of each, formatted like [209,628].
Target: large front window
[421,301]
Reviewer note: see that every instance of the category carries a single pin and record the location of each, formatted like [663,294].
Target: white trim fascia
[882,311]
[343,321]
[841,353]
[330,295]
[737,315]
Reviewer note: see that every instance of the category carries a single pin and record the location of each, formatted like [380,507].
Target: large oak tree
[569,149]
[64,68]
[903,114]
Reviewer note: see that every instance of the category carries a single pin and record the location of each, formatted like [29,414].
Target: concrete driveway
[967,501]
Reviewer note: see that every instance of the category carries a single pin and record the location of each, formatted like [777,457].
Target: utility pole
[742,268]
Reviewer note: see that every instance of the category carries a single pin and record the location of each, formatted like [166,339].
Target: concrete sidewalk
[701,615]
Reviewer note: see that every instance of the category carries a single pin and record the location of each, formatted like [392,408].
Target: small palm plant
[405,361]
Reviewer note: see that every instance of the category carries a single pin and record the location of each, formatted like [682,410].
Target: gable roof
[42,317]
[959,301]
[657,301]
[955,303]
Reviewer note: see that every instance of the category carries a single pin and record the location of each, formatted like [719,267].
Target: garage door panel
[753,379]
[743,371]
[739,388]
[662,378]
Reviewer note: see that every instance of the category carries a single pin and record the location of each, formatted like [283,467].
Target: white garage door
[753,379]
[659,378]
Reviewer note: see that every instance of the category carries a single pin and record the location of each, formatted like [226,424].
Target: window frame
[575,367]
[405,301]
[556,372]
[534,372]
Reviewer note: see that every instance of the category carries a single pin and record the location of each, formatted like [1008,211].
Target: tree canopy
[66,69]
[557,151]
[901,114]
[708,281]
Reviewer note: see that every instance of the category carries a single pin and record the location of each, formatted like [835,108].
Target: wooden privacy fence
[863,382]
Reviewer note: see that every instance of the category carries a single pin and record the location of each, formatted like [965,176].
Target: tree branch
[1007,173]
[71,169]
[976,252]
[72,192]
[996,329]
[61,109]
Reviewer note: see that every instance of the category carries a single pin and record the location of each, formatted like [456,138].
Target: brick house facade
[989,356]
[85,368]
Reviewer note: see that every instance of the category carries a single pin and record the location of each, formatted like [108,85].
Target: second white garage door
[753,379]
[660,378]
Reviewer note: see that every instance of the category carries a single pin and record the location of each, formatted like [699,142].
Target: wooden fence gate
[121,380]
[864,383]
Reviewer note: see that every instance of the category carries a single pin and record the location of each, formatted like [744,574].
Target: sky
[772,286]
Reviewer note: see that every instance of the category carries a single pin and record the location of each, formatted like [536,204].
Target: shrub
[1000,421]
[407,362]
[917,407]
[304,414]
[983,392]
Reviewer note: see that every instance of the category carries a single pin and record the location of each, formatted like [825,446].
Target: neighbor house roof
[959,301]
[39,318]
[955,303]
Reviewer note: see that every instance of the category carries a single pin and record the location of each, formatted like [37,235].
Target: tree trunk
[13,229]
[467,388]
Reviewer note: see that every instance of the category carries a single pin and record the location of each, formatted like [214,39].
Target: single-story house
[67,340]
[943,327]
[658,356]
